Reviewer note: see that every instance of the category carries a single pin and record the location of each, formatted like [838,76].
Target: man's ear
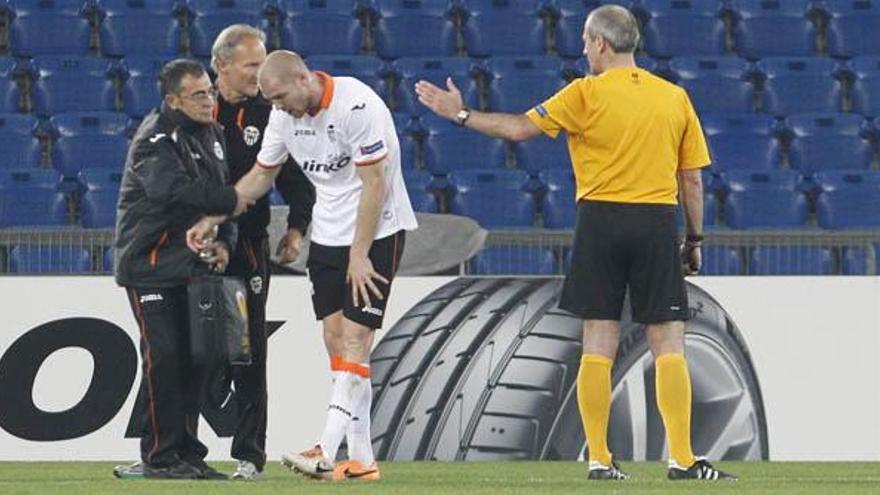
[172,101]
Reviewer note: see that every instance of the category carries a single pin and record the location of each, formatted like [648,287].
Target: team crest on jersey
[331,133]
[218,150]
[251,135]
[256,284]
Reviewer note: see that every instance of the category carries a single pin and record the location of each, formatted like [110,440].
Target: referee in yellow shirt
[636,145]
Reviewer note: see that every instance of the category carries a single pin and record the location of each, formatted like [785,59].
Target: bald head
[282,66]
[616,25]
[286,81]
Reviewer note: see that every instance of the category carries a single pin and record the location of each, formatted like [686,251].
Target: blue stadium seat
[848,199]
[406,138]
[88,140]
[308,22]
[799,84]
[8,87]
[513,260]
[542,153]
[855,261]
[20,146]
[852,27]
[73,84]
[138,27]
[414,28]
[368,69]
[769,199]
[721,260]
[140,94]
[30,197]
[494,198]
[569,33]
[408,71]
[107,260]
[504,27]
[98,202]
[421,194]
[674,25]
[570,18]
[206,27]
[48,27]
[450,147]
[866,85]
[715,84]
[559,204]
[790,260]
[49,259]
[519,83]
[828,142]
[741,141]
[769,28]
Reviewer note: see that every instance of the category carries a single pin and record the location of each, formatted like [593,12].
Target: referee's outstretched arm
[449,104]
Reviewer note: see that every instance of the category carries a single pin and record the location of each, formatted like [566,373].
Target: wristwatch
[694,239]
[462,116]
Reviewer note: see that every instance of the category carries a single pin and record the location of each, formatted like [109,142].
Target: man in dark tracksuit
[236,56]
[175,173]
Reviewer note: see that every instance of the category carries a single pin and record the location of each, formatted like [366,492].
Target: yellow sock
[594,400]
[674,400]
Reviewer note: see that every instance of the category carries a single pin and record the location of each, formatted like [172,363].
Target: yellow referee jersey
[629,132]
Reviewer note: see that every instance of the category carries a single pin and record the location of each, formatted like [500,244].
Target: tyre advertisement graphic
[485,369]
[471,369]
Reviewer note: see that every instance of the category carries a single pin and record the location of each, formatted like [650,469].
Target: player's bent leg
[359,342]
[333,340]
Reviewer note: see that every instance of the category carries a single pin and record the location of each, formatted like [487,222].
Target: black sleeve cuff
[222,201]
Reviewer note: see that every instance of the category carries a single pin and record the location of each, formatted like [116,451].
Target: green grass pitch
[416,478]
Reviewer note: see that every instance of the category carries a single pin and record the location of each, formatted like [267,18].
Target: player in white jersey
[342,135]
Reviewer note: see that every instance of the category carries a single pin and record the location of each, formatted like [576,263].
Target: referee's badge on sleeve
[541,111]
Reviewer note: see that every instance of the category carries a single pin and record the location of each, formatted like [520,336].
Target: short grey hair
[229,38]
[617,25]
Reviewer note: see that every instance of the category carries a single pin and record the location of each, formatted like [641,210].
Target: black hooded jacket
[175,173]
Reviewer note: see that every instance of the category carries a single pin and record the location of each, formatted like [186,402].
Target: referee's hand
[445,103]
[691,258]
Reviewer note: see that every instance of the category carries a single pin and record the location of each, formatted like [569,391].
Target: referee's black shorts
[619,246]
[327,267]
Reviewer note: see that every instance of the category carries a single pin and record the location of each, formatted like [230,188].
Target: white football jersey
[353,128]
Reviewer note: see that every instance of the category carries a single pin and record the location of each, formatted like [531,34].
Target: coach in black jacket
[237,54]
[175,173]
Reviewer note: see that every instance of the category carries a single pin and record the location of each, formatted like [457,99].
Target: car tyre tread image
[485,369]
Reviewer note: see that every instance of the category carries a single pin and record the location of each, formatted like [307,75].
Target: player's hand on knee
[363,279]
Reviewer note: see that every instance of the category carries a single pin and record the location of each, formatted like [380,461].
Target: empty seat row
[498,198]
[776,86]
[755,28]
[75,141]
